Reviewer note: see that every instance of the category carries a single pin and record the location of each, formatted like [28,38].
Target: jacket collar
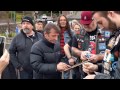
[49,44]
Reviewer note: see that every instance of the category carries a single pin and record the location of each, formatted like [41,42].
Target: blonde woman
[73,23]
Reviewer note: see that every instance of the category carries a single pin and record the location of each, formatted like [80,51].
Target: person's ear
[45,34]
[33,27]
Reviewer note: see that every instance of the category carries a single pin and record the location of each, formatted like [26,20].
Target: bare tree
[8,22]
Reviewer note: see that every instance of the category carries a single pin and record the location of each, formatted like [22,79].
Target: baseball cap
[27,19]
[86,17]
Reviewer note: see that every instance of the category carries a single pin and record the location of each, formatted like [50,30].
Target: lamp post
[14,14]
[51,14]
[35,15]
[59,13]
[23,13]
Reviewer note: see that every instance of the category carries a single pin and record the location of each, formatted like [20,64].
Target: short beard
[26,31]
[112,26]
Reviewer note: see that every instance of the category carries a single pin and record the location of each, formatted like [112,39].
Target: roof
[48,18]
[75,15]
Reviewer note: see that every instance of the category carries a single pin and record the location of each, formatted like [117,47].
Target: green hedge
[12,34]
[18,17]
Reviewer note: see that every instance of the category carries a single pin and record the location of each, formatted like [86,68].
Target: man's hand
[83,55]
[94,58]
[92,76]
[21,68]
[71,61]
[62,66]
[89,67]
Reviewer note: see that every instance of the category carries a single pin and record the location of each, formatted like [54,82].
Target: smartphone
[2,44]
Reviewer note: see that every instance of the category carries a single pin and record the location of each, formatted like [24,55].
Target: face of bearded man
[104,22]
[111,25]
[26,31]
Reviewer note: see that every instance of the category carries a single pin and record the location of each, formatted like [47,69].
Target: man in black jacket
[111,62]
[21,46]
[45,55]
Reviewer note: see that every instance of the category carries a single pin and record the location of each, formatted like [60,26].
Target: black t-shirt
[92,45]
[74,42]
[92,36]
[70,43]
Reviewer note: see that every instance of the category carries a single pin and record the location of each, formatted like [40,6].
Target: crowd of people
[51,51]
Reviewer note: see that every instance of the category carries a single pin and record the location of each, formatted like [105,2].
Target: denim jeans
[68,74]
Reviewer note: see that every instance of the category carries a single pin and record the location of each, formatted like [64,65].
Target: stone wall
[10,27]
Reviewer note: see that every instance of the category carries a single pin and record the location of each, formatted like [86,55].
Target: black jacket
[40,32]
[20,50]
[115,73]
[9,72]
[44,59]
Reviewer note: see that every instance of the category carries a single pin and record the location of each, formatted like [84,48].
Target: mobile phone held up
[2,44]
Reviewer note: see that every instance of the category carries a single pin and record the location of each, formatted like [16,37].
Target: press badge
[107,62]
[102,46]
[107,34]
[92,47]
[108,57]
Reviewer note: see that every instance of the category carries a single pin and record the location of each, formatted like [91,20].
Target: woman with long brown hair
[65,36]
